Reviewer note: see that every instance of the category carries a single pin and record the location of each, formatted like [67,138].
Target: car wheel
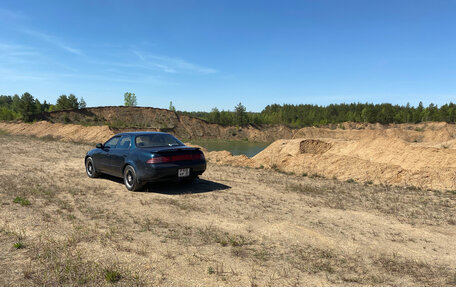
[130,179]
[90,168]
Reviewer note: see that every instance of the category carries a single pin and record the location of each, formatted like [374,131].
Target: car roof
[140,133]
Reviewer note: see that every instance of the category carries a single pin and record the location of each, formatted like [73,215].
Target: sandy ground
[235,226]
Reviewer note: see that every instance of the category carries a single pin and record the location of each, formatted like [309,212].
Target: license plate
[183,172]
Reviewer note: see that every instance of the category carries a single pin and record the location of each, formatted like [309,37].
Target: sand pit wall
[64,132]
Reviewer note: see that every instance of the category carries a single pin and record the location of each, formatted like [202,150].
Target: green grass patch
[303,188]
[22,201]
[210,270]
[112,276]
[19,245]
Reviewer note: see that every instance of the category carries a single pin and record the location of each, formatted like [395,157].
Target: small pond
[250,149]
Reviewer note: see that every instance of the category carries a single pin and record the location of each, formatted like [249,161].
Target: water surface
[235,147]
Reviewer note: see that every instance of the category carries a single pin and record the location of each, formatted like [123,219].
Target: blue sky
[205,54]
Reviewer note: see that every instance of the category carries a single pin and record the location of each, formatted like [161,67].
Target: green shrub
[8,115]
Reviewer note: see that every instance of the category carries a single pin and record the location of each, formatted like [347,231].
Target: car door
[102,159]
[119,155]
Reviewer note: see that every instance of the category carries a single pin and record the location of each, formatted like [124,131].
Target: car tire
[90,168]
[130,179]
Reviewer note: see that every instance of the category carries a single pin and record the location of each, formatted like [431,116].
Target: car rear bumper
[168,171]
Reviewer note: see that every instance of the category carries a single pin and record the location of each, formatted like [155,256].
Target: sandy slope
[65,132]
[422,155]
[380,160]
[126,118]
[235,227]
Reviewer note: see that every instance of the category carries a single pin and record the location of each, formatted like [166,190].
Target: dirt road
[235,227]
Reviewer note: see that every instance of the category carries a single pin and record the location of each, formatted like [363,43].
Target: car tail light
[173,158]
[198,156]
[157,159]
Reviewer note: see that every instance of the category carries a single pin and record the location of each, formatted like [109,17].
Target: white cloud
[14,55]
[52,40]
[172,65]
[16,50]
[13,75]
[9,14]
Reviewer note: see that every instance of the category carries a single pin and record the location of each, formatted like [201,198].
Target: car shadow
[176,187]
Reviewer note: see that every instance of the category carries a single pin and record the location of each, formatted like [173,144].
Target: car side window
[112,142]
[124,142]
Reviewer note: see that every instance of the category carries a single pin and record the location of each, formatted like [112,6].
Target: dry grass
[410,205]
[234,227]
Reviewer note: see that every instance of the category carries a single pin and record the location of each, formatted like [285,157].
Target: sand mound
[225,157]
[65,132]
[381,161]
[377,160]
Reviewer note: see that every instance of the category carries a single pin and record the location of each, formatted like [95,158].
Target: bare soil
[235,226]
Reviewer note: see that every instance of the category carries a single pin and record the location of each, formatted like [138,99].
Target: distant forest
[26,108]
[298,116]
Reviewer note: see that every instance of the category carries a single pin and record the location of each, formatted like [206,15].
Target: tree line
[297,116]
[26,107]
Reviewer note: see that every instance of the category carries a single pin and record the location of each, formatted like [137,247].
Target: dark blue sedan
[142,157]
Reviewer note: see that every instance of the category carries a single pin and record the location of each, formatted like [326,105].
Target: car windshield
[112,142]
[157,140]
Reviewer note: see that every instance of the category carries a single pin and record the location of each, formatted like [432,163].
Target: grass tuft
[112,276]
[22,201]
[19,245]
[210,270]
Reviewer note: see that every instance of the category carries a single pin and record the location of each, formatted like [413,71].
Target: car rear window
[157,140]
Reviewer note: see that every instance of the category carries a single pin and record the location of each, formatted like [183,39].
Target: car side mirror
[99,145]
